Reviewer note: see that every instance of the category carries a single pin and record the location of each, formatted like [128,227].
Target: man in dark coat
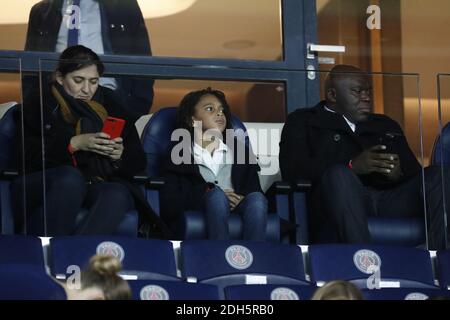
[123,32]
[359,163]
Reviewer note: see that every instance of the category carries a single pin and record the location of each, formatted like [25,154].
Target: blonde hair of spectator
[338,290]
[101,281]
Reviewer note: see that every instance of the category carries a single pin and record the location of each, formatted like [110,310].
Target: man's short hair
[341,71]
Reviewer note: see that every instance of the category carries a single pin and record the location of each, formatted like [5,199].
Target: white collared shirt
[350,124]
[90,33]
[212,162]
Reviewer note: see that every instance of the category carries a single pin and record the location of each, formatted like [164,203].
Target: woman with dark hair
[83,167]
[208,172]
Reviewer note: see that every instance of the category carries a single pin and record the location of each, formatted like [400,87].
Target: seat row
[156,140]
[235,263]
[288,202]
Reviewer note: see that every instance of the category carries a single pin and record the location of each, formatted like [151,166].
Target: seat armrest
[300,212]
[155,183]
[6,215]
[279,187]
[284,187]
[302,185]
[8,175]
[151,188]
[278,195]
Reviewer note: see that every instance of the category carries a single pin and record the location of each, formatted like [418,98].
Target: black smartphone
[389,139]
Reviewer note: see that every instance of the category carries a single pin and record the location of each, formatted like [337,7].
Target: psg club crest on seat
[367,261]
[111,249]
[239,257]
[153,292]
[416,296]
[283,294]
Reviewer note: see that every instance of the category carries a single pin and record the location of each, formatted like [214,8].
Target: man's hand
[396,170]
[233,198]
[373,160]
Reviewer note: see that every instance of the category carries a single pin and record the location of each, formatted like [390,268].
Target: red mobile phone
[113,127]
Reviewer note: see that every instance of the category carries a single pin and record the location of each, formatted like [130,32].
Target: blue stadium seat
[9,143]
[443,268]
[440,155]
[25,282]
[226,263]
[406,267]
[269,292]
[441,148]
[156,141]
[26,250]
[141,258]
[172,290]
[408,232]
[404,294]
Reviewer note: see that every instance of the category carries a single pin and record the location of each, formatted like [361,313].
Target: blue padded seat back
[18,249]
[25,282]
[409,266]
[408,232]
[172,290]
[246,257]
[404,294]
[139,257]
[9,138]
[443,268]
[441,148]
[269,292]
[156,137]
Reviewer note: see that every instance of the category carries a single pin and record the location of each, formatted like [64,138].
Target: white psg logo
[367,261]
[111,249]
[239,257]
[416,296]
[283,294]
[153,292]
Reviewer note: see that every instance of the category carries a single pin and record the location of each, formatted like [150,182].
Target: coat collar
[328,120]
[193,169]
[335,121]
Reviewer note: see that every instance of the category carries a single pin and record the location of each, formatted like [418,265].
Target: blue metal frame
[299,27]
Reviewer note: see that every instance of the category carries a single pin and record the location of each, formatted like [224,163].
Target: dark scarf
[85,117]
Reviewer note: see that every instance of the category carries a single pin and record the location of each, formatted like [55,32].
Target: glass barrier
[69,120]
[250,101]
[392,174]
[12,190]
[188,28]
[440,152]
[392,186]
[396,96]
[369,34]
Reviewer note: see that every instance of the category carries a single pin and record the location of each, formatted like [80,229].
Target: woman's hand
[97,142]
[116,154]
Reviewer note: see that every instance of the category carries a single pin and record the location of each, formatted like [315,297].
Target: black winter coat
[57,134]
[313,139]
